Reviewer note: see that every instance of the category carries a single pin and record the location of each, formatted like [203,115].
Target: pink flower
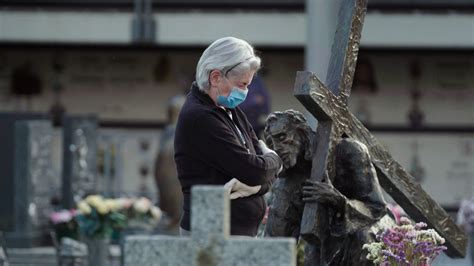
[62,216]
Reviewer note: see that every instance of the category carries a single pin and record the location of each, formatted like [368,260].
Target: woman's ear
[214,77]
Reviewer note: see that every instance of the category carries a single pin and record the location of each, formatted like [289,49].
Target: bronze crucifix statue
[327,102]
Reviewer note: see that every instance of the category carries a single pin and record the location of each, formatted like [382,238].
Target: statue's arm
[346,215]
[355,215]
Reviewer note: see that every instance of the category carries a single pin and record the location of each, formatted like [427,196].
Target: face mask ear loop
[219,91]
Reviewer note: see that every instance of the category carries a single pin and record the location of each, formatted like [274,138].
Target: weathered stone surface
[210,243]
[7,165]
[211,213]
[35,182]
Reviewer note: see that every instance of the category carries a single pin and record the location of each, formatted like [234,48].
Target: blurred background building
[122,61]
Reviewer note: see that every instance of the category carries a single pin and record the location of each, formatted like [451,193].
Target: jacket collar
[203,97]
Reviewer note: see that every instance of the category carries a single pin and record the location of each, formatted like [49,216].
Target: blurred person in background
[166,177]
[257,105]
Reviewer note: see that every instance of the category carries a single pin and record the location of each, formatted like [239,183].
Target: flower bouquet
[98,217]
[405,244]
[141,214]
[64,224]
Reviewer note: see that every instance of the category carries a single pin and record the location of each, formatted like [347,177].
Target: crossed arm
[238,189]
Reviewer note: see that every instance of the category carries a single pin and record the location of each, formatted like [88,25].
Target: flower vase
[98,251]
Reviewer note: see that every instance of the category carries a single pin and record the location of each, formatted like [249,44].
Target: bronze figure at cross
[327,102]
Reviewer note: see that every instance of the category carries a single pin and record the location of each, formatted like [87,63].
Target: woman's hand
[264,148]
[238,189]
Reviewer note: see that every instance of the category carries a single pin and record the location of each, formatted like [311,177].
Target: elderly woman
[214,142]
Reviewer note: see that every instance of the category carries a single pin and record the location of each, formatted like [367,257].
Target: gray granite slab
[7,165]
[210,242]
[35,182]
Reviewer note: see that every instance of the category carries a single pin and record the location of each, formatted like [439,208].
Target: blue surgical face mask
[236,97]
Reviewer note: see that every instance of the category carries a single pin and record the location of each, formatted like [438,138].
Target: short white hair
[230,55]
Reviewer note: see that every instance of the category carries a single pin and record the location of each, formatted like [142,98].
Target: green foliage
[300,252]
[95,225]
[99,219]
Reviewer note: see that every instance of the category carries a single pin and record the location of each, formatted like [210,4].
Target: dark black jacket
[209,150]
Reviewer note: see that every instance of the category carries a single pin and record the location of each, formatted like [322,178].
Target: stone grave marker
[210,242]
[7,155]
[35,183]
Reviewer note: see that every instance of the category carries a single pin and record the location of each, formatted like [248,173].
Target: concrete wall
[134,85]
[414,29]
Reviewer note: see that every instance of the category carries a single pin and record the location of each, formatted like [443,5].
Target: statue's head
[289,135]
[355,173]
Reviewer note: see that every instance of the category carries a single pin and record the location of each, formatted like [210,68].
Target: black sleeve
[267,186]
[217,146]
[254,138]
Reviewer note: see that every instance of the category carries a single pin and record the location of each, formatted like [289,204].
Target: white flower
[102,207]
[404,220]
[99,203]
[437,239]
[94,200]
[374,250]
[83,207]
[156,213]
[430,235]
[407,227]
[142,205]
[124,203]
[112,205]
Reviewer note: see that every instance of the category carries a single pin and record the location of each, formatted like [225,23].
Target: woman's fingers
[230,185]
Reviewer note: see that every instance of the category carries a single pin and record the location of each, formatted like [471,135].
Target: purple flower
[420,225]
[407,244]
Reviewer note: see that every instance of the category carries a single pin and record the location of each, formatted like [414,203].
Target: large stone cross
[327,102]
[210,242]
